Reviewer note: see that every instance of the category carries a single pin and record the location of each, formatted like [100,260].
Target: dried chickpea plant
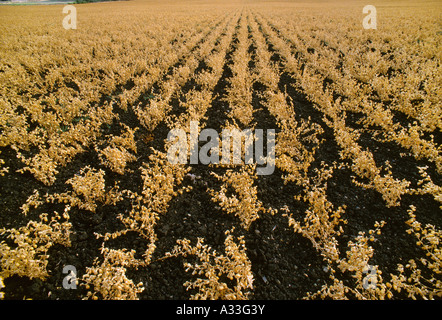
[369,284]
[119,151]
[2,285]
[322,222]
[211,267]
[161,182]
[89,189]
[420,279]
[108,281]
[25,252]
[243,201]
[3,170]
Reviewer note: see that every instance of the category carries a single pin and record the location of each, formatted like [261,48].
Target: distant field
[43,2]
[350,210]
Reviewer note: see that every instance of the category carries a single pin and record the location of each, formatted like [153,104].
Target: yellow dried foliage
[212,266]
[27,255]
[243,202]
[2,285]
[89,188]
[108,281]
[3,170]
[410,278]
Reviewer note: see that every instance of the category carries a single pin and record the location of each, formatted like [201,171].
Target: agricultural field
[92,207]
